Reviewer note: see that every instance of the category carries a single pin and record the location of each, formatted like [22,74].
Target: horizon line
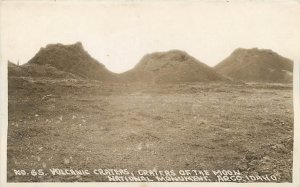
[149,53]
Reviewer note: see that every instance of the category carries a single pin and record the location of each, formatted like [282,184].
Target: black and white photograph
[150,92]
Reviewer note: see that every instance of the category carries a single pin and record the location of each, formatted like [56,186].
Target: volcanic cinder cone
[173,66]
[256,65]
[73,59]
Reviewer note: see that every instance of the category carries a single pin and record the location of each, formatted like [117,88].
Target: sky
[118,34]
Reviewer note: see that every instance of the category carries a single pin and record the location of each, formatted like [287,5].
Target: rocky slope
[173,66]
[73,59]
[256,65]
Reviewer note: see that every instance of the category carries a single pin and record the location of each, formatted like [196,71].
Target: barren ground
[59,123]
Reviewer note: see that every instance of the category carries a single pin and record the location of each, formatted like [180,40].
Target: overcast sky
[119,34]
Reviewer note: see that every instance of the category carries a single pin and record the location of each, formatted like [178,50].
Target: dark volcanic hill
[256,65]
[73,59]
[173,66]
[35,70]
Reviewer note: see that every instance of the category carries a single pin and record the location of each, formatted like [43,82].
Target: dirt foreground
[58,128]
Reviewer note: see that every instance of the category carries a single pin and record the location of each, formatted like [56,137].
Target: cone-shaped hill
[256,65]
[173,66]
[73,59]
